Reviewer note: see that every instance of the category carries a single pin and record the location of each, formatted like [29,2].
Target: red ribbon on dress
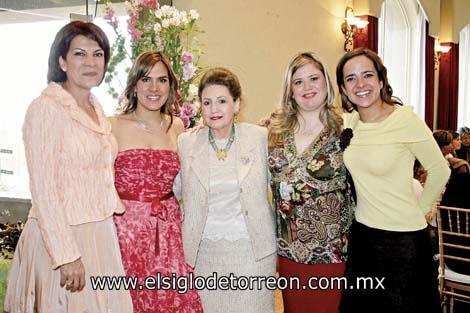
[158,209]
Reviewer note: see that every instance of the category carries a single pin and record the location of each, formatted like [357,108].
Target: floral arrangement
[166,29]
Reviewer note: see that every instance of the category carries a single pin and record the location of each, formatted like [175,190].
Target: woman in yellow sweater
[390,265]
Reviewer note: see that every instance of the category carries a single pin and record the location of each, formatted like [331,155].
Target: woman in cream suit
[228,223]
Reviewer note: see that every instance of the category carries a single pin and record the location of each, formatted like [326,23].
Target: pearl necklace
[144,125]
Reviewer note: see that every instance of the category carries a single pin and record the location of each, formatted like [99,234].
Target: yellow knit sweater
[380,158]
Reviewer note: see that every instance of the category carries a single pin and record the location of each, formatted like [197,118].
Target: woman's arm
[177,185]
[430,156]
[43,136]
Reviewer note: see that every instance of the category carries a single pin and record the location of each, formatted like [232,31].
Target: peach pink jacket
[71,167]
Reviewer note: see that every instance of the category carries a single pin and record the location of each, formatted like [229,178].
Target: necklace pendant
[221,154]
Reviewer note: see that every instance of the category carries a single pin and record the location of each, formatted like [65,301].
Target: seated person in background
[445,141]
[455,195]
[456,143]
[464,151]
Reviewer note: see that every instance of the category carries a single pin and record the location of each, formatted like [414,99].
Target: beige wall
[433,12]
[256,39]
[368,7]
[461,17]
[447,25]
[455,15]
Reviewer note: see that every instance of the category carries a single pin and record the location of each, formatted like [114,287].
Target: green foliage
[160,29]
[5,266]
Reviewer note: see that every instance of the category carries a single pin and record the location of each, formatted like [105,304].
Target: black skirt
[390,271]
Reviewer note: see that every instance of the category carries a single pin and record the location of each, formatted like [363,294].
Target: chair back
[454,238]
[453,226]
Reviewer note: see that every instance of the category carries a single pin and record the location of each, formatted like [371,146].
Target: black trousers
[390,272]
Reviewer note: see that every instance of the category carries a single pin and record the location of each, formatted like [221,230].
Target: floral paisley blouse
[312,199]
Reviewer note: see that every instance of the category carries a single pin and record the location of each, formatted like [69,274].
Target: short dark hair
[454,134]
[442,137]
[386,93]
[61,46]
[222,77]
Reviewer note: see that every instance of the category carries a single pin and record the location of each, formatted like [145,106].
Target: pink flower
[110,18]
[188,110]
[187,57]
[151,3]
[186,120]
[133,31]
[188,71]
[109,14]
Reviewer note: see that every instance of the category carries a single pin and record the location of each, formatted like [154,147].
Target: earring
[63,69]
[135,93]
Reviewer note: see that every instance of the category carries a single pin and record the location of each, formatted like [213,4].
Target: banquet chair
[454,255]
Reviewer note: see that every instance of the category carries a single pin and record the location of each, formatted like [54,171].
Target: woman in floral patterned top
[311,196]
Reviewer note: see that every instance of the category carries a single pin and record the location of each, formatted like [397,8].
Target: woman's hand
[265,121]
[431,216]
[195,129]
[72,275]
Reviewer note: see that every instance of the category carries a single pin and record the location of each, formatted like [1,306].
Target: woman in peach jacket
[70,234]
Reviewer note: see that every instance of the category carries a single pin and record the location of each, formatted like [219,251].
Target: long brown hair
[284,119]
[386,93]
[141,67]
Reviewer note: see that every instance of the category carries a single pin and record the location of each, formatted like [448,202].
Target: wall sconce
[351,25]
[438,50]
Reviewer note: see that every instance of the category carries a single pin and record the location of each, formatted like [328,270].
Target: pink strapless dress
[149,231]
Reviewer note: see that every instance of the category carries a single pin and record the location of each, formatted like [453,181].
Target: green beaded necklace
[222,153]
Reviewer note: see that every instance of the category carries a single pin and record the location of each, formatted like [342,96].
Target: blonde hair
[284,119]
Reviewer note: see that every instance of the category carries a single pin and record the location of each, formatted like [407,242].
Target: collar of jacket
[57,92]
[245,149]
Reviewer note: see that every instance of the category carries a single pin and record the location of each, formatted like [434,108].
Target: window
[464,78]
[402,43]
[24,69]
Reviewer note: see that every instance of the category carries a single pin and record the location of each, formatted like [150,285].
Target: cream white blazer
[253,180]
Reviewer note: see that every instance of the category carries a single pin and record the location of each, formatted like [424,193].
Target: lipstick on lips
[309,95]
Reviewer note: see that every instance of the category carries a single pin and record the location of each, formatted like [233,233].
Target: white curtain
[417,88]
[464,78]
[402,43]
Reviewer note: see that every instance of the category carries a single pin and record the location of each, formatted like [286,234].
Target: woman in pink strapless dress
[149,231]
